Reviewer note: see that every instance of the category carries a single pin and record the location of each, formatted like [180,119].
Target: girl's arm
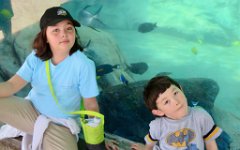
[91,104]
[12,86]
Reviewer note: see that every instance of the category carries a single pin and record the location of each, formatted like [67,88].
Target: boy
[177,126]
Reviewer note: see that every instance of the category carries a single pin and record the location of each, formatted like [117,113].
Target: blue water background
[193,39]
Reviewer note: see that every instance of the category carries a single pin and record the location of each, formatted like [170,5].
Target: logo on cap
[61,12]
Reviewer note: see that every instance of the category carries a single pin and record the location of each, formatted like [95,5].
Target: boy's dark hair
[42,48]
[156,86]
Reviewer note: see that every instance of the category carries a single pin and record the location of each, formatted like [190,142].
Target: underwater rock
[129,117]
[4,74]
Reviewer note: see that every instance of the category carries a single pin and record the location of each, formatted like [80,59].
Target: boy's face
[172,103]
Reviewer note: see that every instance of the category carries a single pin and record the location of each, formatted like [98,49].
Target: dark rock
[223,141]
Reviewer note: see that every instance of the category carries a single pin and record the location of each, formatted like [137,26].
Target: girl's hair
[156,86]
[42,48]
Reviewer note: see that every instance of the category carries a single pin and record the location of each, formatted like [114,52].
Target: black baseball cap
[54,15]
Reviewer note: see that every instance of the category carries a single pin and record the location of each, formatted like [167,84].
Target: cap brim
[76,23]
[53,22]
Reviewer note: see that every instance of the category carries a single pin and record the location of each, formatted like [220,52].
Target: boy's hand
[138,146]
[111,145]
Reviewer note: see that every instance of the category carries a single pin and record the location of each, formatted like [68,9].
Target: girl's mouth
[65,41]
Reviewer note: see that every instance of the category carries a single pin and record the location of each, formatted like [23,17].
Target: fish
[90,19]
[138,68]
[199,41]
[123,79]
[94,28]
[6,13]
[104,69]
[87,44]
[235,43]
[163,74]
[146,27]
[194,50]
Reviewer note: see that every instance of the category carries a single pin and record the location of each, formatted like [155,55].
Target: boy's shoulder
[156,122]
[200,112]
[198,109]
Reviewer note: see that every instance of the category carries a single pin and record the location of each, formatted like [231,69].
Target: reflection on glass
[194,103]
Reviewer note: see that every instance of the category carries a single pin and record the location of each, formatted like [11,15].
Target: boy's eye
[166,102]
[176,92]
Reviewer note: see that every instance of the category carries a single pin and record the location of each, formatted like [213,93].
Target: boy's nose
[176,100]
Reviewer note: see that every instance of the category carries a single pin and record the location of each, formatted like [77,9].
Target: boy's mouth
[181,107]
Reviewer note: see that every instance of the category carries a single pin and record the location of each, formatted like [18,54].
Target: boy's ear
[157,112]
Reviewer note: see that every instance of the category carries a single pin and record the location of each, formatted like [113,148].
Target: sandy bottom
[28,12]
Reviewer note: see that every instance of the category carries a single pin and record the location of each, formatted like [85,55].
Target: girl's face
[61,37]
[172,103]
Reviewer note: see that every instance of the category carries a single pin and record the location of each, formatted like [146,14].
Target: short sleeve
[209,129]
[154,132]
[26,70]
[88,83]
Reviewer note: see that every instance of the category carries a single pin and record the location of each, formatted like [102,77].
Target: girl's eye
[70,28]
[56,30]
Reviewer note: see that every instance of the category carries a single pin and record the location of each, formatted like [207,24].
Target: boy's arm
[139,146]
[211,145]
[210,131]
[150,138]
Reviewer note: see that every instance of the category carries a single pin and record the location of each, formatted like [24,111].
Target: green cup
[93,131]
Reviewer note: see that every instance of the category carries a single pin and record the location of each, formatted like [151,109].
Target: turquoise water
[192,39]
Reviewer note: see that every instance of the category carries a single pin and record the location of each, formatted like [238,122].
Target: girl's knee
[59,138]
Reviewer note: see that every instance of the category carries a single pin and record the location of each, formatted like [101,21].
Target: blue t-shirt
[72,79]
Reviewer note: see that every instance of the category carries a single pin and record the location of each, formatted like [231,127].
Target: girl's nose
[64,33]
